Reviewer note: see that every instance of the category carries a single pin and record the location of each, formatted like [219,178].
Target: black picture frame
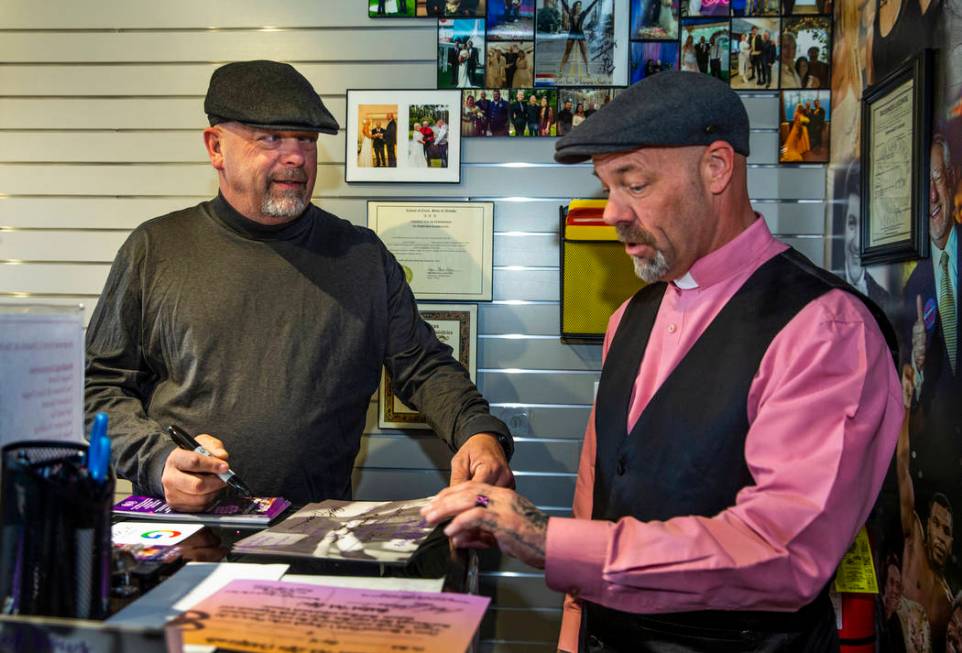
[918,72]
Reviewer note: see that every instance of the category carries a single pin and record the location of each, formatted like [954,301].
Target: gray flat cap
[266,94]
[670,108]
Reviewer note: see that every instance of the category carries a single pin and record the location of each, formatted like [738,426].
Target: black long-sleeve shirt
[270,338]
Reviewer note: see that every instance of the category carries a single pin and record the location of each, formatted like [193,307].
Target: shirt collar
[240,224]
[736,256]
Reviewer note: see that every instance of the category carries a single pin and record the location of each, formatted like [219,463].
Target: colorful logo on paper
[156,535]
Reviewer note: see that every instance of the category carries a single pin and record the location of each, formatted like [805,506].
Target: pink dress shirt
[824,410]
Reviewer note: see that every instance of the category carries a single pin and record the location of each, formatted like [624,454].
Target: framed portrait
[576,104]
[391,8]
[714,8]
[444,248]
[510,64]
[403,136]
[805,126]
[456,325]
[896,142]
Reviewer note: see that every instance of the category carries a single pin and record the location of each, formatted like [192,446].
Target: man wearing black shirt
[564,118]
[519,114]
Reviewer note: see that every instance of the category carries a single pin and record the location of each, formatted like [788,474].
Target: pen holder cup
[55,538]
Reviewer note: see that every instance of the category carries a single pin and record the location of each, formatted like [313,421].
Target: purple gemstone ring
[481,501]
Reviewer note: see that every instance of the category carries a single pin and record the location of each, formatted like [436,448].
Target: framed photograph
[445,248]
[576,104]
[511,20]
[391,8]
[509,112]
[797,7]
[755,7]
[804,131]
[650,57]
[754,64]
[705,46]
[807,52]
[896,141]
[581,43]
[456,325]
[403,136]
[654,20]
[461,53]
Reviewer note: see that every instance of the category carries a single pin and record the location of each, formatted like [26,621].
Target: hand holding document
[250,615]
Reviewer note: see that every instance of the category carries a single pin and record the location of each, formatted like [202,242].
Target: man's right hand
[190,480]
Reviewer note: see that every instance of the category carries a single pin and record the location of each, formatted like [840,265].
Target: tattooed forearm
[527,510]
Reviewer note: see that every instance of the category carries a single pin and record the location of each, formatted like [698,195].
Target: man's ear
[213,142]
[718,166]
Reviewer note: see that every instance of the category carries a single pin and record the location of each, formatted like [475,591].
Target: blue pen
[98,451]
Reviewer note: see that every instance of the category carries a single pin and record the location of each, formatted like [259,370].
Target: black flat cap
[266,94]
[670,108]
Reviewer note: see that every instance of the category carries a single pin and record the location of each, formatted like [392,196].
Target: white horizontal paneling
[531,319]
[173,14]
[74,279]
[547,387]
[537,354]
[192,79]
[60,246]
[420,39]
[547,420]
[540,284]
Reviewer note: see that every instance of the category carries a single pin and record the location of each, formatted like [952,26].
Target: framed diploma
[403,136]
[455,325]
[896,137]
[445,248]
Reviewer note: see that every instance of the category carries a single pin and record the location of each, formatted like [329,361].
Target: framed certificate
[896,137]
[445,248]
[403,136]
[455,325]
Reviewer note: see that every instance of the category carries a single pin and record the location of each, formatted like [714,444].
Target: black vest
[685,455]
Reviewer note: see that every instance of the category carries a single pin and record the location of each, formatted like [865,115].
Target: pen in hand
[186,441]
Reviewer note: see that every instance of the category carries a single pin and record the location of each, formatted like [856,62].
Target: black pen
[186,441]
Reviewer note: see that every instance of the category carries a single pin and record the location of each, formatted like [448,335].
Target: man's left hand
[481,511]
[481,458]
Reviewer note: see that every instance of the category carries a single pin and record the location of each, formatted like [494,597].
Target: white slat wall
[100,118]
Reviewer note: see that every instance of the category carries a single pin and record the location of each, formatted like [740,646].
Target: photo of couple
[806,52]
[428,136]
[804,128]
[377,142]
[510,20]
[705,48]
[654,19]
[576,104]
[754,53]
[509,112]
[461,57]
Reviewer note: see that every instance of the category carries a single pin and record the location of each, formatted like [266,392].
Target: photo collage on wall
[540,67]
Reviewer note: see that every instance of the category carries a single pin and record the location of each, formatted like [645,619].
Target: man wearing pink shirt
[747,412]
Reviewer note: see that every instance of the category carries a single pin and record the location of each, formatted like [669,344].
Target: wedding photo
[650,57]
[755,7]
[654,20]
[391,8]
[575,43]
[510,20]
[509,64]
[377,136]
[804,132]
[403,136]
[806,52]
[576,104]
[754,54]
[428,135]
[461,53]
[705,46]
